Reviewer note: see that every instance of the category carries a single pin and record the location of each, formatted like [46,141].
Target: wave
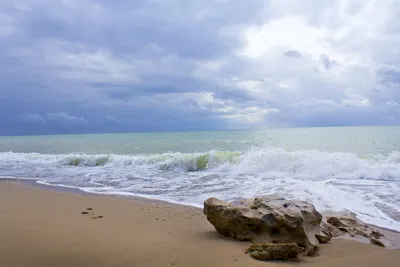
[366,185]
[319,164]
[166,161]
[272,161]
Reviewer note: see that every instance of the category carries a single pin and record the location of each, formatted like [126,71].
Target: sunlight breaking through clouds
[156,65]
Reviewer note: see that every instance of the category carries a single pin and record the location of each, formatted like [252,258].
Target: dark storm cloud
[116,66]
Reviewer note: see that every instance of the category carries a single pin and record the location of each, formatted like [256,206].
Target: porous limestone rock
[337,225]
[284,251]
[267,219]
[323,237]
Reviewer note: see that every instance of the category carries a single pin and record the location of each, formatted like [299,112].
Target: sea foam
[368,186]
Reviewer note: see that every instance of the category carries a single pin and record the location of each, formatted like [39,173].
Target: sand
[41,227]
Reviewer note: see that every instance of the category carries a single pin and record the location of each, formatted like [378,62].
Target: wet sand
[41,227]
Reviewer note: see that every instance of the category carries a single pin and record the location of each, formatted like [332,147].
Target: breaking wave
[301,163]
[368,186]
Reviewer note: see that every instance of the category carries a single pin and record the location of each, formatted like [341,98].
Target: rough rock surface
[288,251]
[323,237]
[347,224]
[267,219]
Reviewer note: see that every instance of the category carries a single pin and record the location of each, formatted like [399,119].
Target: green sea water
[359,140]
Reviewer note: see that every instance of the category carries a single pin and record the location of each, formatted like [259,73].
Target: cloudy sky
[82,66]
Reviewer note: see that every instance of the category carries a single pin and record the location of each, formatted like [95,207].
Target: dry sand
[41,227]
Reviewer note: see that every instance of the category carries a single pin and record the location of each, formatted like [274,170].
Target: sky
[88,66]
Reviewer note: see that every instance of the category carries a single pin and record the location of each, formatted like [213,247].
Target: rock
[376,234]
[286,251]
[335,222]
[266,219]
[329,229]
[377,243]
[347,224]
[323,237]
[85,212]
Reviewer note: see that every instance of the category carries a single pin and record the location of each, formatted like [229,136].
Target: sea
[353,169]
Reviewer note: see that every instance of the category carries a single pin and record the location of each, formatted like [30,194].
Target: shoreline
[392,235]
[76,190]
[159,175]
[48,227]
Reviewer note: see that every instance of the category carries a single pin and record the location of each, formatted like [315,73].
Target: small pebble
[85,212]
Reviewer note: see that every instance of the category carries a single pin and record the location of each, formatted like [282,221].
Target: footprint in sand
[90,211]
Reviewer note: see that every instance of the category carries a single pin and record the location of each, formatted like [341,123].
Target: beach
[199,133]
[44,227]
[358,172]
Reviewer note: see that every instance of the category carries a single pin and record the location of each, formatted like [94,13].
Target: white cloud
[249,115]
[111,118]
[64,117]
[355,102]
[257,63]
[228,109]
[282,34]
[392,103]
[318,50]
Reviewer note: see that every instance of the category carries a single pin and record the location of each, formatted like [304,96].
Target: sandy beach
[42,227]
